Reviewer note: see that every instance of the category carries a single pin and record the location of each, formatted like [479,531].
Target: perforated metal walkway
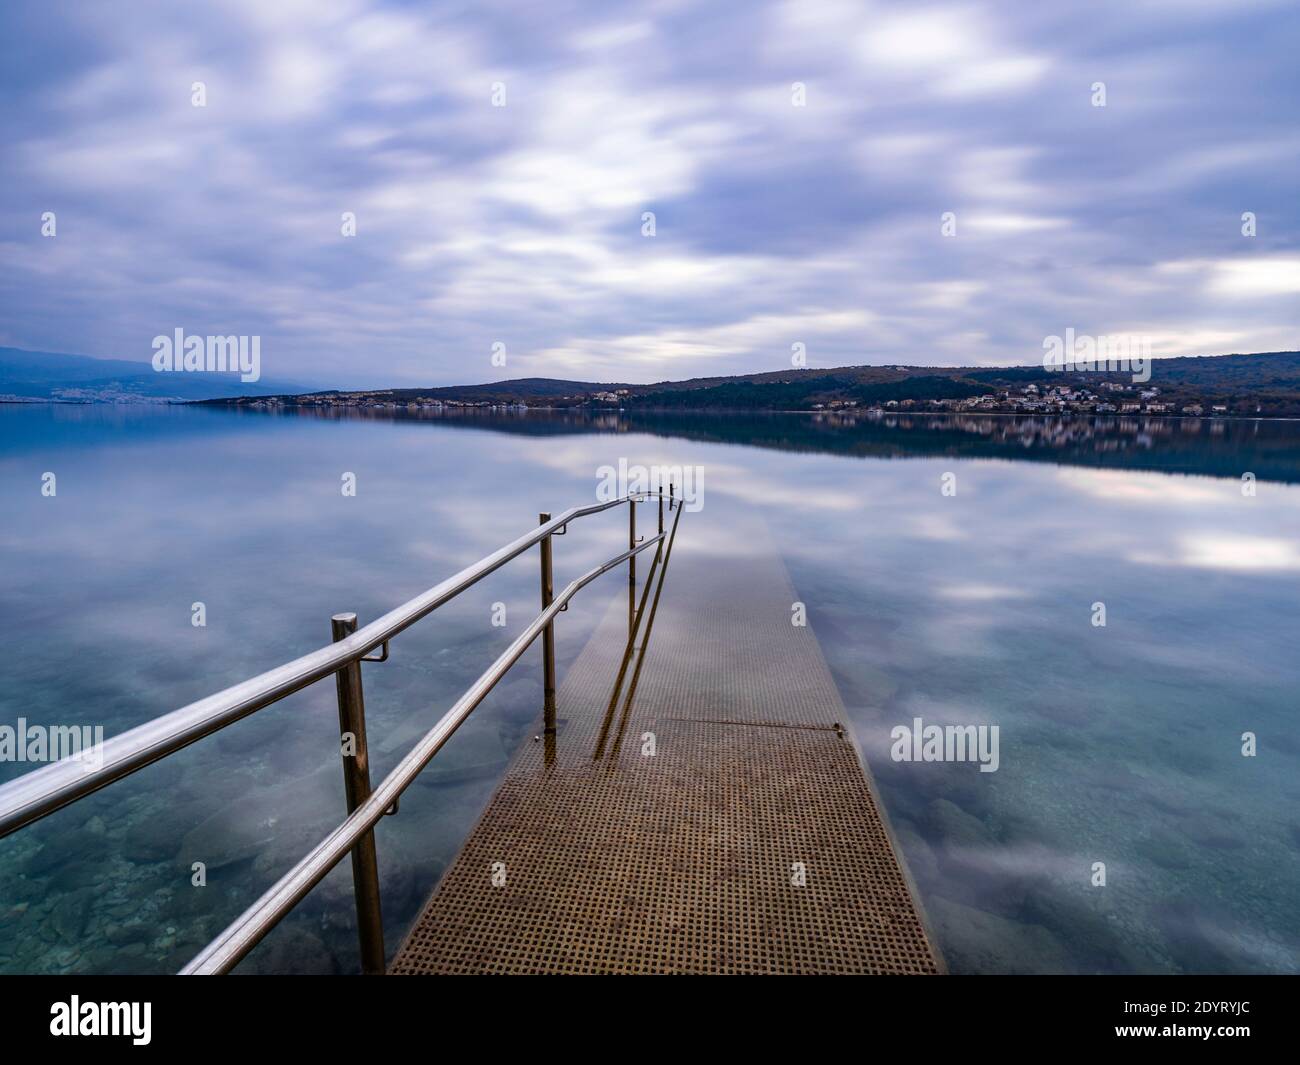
[749,841]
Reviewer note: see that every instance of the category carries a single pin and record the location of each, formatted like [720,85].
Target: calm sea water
[1120,744]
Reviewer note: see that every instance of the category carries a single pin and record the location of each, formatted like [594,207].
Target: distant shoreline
[241,404]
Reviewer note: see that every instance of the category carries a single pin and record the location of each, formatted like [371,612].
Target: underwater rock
[1213,831]
[1166,851]
[75,874]
[242,831]
[146,845]
[1202,938]
[1081,919]
[68,918]
[121,935]
[956,826]
[294,950]
[156,836]
[59,851]
[275,825]
[975,941]
[917,854]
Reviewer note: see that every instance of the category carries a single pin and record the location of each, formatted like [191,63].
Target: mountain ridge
[55,376]
[1266,383]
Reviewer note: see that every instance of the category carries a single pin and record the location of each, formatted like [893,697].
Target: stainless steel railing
[38,794]
[224,952]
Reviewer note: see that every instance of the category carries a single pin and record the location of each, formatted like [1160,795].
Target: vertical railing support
[670,495]
[661,507]
[548,635]
[356,783]
[631,538]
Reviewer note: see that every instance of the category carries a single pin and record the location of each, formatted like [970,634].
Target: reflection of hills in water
[1215,447]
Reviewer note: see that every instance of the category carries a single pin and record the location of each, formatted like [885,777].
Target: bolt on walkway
[698,808]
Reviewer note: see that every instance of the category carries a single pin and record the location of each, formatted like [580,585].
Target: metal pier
[692,801]
[700,807]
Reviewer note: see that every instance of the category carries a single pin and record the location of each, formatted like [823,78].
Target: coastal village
[1107,397]
[1110,398]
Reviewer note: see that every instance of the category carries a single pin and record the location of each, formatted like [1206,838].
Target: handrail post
[670,495]
[548,635]
[661,507]
[356,783]
[631,538]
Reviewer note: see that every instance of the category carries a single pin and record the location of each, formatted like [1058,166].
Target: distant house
[1219,408]
[1194,409]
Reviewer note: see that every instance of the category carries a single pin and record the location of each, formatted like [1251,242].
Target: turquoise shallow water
[1118,744]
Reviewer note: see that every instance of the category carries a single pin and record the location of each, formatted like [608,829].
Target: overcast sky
[522,224]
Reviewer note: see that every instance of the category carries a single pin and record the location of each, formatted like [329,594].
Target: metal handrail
[242,935]
[38,794]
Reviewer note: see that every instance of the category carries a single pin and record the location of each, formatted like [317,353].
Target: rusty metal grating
[682,862]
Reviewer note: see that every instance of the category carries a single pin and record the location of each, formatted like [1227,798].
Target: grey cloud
[522,224]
